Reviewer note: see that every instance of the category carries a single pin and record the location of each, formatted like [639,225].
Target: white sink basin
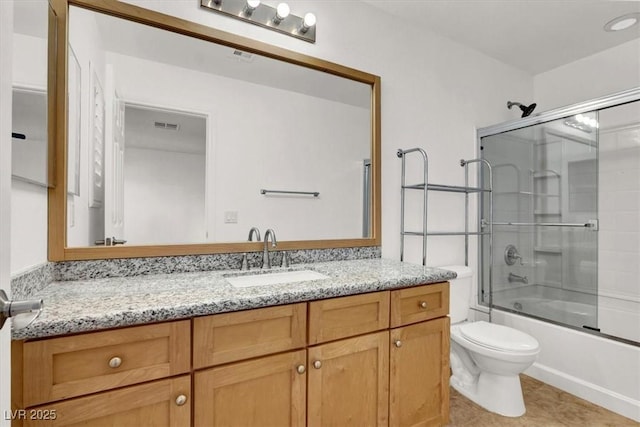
[264,279]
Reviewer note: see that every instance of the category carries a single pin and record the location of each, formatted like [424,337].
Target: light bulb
[253,3]
[282,11]
[308,22]
[309,19]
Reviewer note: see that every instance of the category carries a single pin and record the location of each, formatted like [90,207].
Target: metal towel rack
[426,187]
[466,189]
[308,193]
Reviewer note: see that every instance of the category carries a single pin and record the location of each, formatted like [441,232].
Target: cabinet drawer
[60,368]
[413,305]
[228,337]
[336,318]
[160,403]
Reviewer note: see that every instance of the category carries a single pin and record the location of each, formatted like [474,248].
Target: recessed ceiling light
[622,22]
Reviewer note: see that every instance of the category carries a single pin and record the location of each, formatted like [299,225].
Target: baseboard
[593,393]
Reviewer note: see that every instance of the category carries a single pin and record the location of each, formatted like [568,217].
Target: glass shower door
[545,182]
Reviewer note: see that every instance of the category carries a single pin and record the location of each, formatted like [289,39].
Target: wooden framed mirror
[184,137]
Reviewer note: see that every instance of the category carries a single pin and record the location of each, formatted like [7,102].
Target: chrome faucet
[244,265]
[252,232]
[266,261]
[515,278]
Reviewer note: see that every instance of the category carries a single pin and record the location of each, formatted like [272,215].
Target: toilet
[486,358]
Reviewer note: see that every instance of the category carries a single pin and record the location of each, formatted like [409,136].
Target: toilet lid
[498,337]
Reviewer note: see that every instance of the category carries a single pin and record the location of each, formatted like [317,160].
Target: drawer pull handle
[423,304]
[301,369]
[115,362]
[181,400]
[397,343]
[317,364]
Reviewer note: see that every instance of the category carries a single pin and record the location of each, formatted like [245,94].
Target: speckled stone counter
[89,305]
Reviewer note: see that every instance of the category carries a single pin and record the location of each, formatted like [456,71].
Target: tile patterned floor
[547,406]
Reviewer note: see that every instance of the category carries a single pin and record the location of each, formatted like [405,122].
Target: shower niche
[566,187]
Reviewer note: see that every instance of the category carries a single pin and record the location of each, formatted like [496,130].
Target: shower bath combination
[526,110]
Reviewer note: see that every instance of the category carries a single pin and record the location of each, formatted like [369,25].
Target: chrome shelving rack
[425,187]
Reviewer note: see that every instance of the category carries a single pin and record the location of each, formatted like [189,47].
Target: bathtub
[577,314]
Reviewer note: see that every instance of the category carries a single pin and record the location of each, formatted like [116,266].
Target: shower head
[525,110]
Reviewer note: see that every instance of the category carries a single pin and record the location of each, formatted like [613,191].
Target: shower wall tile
[619,215]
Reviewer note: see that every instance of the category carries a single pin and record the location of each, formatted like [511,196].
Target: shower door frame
[618,98]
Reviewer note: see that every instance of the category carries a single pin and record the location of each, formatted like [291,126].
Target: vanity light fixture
[282,11]
[275,18]
[250,7]
[308,21]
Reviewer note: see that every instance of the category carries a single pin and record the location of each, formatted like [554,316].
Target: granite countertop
[89,305]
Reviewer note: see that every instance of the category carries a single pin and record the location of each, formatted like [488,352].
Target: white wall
[604,73]
[434,94]
[6,33]
[164,197]
[280,150]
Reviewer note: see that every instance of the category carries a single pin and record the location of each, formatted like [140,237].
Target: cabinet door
[349,382]
[419,378]
[160,403]
[269,391]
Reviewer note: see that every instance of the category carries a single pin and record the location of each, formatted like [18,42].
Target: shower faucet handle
[511,255]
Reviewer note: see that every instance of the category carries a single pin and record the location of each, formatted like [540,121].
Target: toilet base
[496,393]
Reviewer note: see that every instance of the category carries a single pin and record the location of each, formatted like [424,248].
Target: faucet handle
[285,259]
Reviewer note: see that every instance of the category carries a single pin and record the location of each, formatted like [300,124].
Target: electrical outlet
[231,217]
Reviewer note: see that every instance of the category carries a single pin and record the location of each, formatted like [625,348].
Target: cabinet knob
[317,364]
[397,343]
[181,400]
[301,369]
[423,304]
[115,362]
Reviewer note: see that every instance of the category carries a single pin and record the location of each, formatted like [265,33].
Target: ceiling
[141,131]
[532,35]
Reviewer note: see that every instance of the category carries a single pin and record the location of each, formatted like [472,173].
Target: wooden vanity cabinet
[419,356]
[373,359]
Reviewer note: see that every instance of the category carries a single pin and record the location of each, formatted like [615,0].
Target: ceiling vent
[167,126]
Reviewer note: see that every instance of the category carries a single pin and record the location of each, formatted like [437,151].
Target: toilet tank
[459,292]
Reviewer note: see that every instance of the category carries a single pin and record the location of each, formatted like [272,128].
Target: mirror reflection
[176,138]
[29,102]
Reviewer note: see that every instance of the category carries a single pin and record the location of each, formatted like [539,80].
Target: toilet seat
[498,337]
